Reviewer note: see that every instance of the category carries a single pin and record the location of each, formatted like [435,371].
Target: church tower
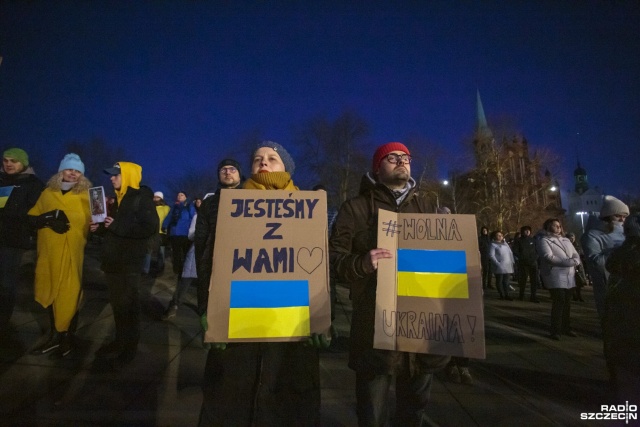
[580,177]
[483,141]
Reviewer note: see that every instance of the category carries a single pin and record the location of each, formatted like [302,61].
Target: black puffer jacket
[354,234]
[135,220]
[15,228]
[621,320]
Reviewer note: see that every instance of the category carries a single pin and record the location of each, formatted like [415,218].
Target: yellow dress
[60,256]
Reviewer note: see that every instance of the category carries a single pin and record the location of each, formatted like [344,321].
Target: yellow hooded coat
[60,256]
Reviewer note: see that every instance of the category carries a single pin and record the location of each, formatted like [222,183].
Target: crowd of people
[259,383]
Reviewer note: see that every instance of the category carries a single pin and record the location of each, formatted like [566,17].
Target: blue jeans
[412,397]
[10,259]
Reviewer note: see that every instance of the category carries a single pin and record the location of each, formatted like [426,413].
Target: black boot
[51,344]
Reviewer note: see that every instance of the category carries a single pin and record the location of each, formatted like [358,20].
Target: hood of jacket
[131,175]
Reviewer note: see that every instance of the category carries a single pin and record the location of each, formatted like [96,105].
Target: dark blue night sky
[177,83]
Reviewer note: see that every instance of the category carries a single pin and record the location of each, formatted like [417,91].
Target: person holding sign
[58,283]
[263,383]
[19,191]
[354,260]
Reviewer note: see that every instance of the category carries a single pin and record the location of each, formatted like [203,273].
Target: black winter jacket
[354,234]
[525,250]
[16,231]
[135,220]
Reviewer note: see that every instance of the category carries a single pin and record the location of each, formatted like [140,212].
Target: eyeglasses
[396,158]
[230,169]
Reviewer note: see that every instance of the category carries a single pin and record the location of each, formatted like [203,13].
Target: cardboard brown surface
[452,321]
[268,244]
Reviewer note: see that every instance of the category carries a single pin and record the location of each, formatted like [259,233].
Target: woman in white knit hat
[598,243]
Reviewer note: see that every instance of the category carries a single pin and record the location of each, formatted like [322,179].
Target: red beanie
[385,149]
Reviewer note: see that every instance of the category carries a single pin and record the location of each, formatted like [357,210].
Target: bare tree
[333,153]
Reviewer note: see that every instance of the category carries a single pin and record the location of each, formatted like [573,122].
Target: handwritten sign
[270,267]
[429,295]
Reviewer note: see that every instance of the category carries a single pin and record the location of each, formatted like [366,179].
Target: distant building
[507,188]
[582,202]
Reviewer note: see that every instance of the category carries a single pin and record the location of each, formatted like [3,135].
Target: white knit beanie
[613,206]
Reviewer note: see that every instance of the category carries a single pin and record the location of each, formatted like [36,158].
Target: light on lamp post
[582,214]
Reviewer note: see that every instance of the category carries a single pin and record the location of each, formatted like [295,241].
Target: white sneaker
[465,376]
[511,288]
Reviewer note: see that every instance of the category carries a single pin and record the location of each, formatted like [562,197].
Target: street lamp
[582,214]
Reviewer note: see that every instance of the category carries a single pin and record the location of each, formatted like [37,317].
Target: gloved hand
[215,345]
[60,224]
[203,322]
[56,220]
[319,341]
[43,220]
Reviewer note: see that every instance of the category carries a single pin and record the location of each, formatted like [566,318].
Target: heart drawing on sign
[309,260]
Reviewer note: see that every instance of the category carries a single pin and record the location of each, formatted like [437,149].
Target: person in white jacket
[502,263]
[558,259]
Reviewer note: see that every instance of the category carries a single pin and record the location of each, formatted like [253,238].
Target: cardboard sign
[270,279]
[97,204]
[429,295]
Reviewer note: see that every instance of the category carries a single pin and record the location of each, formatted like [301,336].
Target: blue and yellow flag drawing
[432,273]
[5,192]
[269,309]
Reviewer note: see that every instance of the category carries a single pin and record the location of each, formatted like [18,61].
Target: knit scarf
[270,181]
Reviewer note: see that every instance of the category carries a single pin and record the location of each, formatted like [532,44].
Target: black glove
[56,220]
[44,219]
[60,223]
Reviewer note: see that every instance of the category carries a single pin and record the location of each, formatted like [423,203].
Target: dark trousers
[502,284]
[560,310]
[412,396]
[261,384]
[179,247]
[125,303]
[530,271]
[10,259]
[485,264]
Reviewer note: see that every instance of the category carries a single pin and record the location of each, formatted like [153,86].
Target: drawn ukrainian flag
[432,273]
[5,192]
[269,309]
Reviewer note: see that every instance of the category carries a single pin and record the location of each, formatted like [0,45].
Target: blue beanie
[71,161]
[289,165]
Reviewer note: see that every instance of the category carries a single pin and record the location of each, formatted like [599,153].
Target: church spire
[482,128]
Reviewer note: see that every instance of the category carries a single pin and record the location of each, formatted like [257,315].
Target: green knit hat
[18,154]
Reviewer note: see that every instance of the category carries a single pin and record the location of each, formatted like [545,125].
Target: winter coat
[501,258]
[597,245]
[61,256]
[203,240]
[484,244]
[558,259]
[16,230]
[163,212]
[178,220]
[134,221]
[621,320]
[524,250]
[354,234]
